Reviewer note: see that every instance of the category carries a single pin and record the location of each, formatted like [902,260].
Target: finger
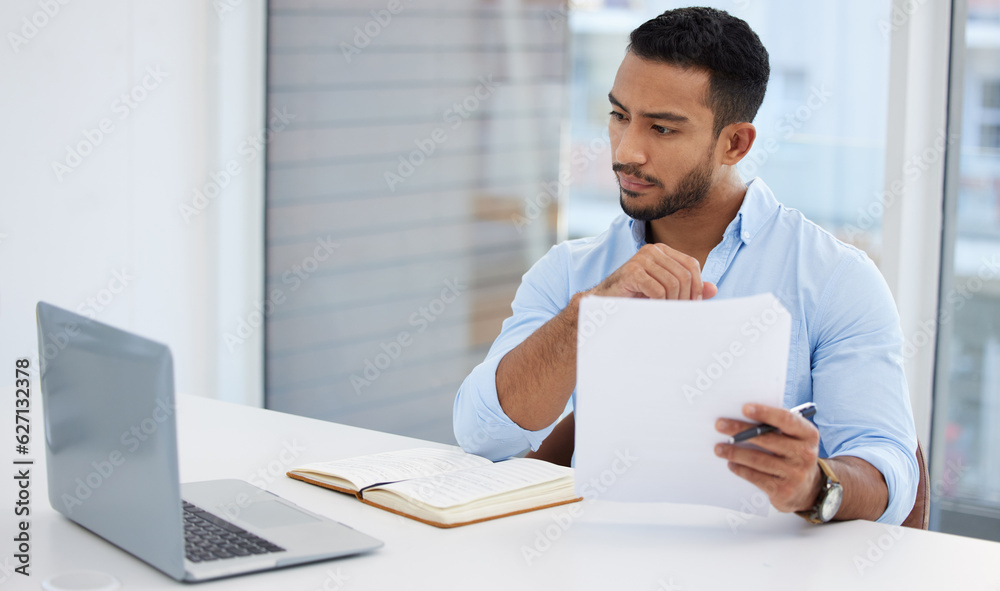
[760,461]
[684,267]
[631,280]
[663,266]
[764,482]
[732,426]
[708,290]
[783,446]
[652,287]
[786,421]
[779,444]
[673,286]
[694,268]
[645,285]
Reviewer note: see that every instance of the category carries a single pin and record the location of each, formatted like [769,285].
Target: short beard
[691,192]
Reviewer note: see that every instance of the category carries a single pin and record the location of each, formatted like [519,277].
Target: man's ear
[735,142]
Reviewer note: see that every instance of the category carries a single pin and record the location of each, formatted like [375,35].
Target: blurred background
[325,207]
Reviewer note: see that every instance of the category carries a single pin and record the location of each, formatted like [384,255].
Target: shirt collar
[638,232]
[758,206]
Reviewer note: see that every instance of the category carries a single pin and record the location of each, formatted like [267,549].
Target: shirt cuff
[901,475]
[481,425]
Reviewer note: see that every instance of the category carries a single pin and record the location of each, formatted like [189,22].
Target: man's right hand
[536,378]
[657,272]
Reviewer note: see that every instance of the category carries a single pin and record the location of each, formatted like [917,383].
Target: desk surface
[592,545]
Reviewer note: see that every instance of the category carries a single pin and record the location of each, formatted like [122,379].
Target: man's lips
[631,183]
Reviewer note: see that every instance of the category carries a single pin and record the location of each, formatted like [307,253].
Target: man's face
[662,138]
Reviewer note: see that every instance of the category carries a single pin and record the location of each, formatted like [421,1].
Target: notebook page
[479,483]
[365,471]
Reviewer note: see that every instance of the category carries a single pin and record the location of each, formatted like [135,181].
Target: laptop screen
[111,439]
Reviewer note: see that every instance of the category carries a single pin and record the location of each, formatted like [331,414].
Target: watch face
[831,503]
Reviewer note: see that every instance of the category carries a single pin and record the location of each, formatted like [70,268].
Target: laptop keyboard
[207,537]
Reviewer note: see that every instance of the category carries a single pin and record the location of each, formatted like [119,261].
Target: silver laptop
[111,452]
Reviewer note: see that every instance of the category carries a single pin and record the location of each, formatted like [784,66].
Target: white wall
[107,237]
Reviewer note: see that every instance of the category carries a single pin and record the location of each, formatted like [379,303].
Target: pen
[804,410]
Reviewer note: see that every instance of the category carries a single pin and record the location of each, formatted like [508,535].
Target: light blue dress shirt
[846,343]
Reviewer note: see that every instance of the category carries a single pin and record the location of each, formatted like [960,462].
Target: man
[682,104]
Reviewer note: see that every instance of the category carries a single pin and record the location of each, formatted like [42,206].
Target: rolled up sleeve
[859,385]
[481,426]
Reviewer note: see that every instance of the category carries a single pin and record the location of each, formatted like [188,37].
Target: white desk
[607,547]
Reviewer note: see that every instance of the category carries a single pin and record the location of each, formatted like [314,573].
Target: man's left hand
[790,474]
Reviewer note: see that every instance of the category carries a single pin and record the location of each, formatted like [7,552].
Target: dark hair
[716,41]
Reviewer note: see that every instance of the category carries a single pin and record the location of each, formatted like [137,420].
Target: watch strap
[825,467]
[813,514]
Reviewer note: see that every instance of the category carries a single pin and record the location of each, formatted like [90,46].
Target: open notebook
[445,487]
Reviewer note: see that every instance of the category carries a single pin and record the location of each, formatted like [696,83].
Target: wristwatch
[828,501]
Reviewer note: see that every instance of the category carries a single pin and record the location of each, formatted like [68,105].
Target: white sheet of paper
[652,378]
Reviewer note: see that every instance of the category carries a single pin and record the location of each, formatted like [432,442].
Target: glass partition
[965,466]
[410,187]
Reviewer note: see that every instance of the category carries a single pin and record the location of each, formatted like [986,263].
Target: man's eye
[617,116]
[661,130]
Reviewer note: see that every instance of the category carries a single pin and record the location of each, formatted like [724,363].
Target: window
[821,129]
[989,135]
[405,199]
[991,94]
[966,442]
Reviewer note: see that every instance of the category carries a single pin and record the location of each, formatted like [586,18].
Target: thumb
[708,290]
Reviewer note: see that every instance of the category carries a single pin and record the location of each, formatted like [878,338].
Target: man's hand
[791,476]
[657,272]
[536,378]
